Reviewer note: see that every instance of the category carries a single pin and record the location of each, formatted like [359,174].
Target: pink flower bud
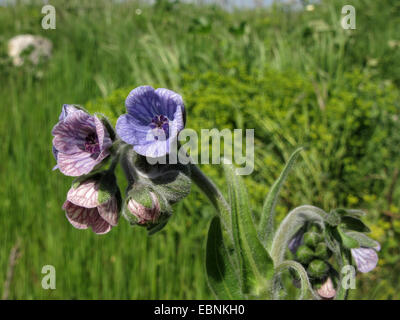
[83,208]
[145,215]
[327,291]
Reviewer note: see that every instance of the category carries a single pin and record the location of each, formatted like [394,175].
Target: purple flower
[80,142]
[153,121]
[366,258]
[296,241]
[65,111]
[84,210]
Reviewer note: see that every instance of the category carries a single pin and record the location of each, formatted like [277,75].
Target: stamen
[160,122]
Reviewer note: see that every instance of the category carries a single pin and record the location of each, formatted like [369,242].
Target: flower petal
[102,135]
[143,104]
[78,216]
[170,102]
[66,110]
[296,241]
[99,225]
[327,290]
[130,130]
[365,258]
[85,195]
[70,134]
[109,211]
[156,149]
[76,164]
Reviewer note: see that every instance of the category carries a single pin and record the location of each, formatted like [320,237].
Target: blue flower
[153,121]
[366,258]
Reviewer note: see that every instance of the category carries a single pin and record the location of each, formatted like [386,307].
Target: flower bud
[327,291]
[322,251]
[312,239]
[315,228]
[304,254]
[317,268]
[94,202]
[144,207]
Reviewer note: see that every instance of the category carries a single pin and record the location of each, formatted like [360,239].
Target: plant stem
[126,163]
[214,195]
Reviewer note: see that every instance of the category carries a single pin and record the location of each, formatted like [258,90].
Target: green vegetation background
[296,77]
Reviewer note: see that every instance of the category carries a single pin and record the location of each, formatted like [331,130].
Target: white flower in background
[41,48]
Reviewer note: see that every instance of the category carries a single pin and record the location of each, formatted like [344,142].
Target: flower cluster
[317,247]
[83,144]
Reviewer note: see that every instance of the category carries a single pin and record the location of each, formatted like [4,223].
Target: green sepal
[141,194]
[107,187]
[172,181]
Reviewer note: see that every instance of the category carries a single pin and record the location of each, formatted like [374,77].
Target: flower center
[92,143]
[160,123]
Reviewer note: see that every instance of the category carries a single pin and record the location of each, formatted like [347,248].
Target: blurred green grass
[99,48]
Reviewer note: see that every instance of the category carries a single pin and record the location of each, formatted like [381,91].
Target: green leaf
[349,212]
[354,224]
[255,263]
[103,196]
[266,225]
[362,239]
[222,277]
[347,241]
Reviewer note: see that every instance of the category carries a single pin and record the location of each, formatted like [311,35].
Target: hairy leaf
[255,263]
[221,274]
[266,225]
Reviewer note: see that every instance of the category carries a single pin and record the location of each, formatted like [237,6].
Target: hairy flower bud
[145,212]
[322,251]
[317,268]
[304,254]
[327,290]
[143,207]
[312,239]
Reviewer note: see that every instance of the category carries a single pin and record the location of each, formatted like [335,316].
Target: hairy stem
[214,195]
[126,158]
